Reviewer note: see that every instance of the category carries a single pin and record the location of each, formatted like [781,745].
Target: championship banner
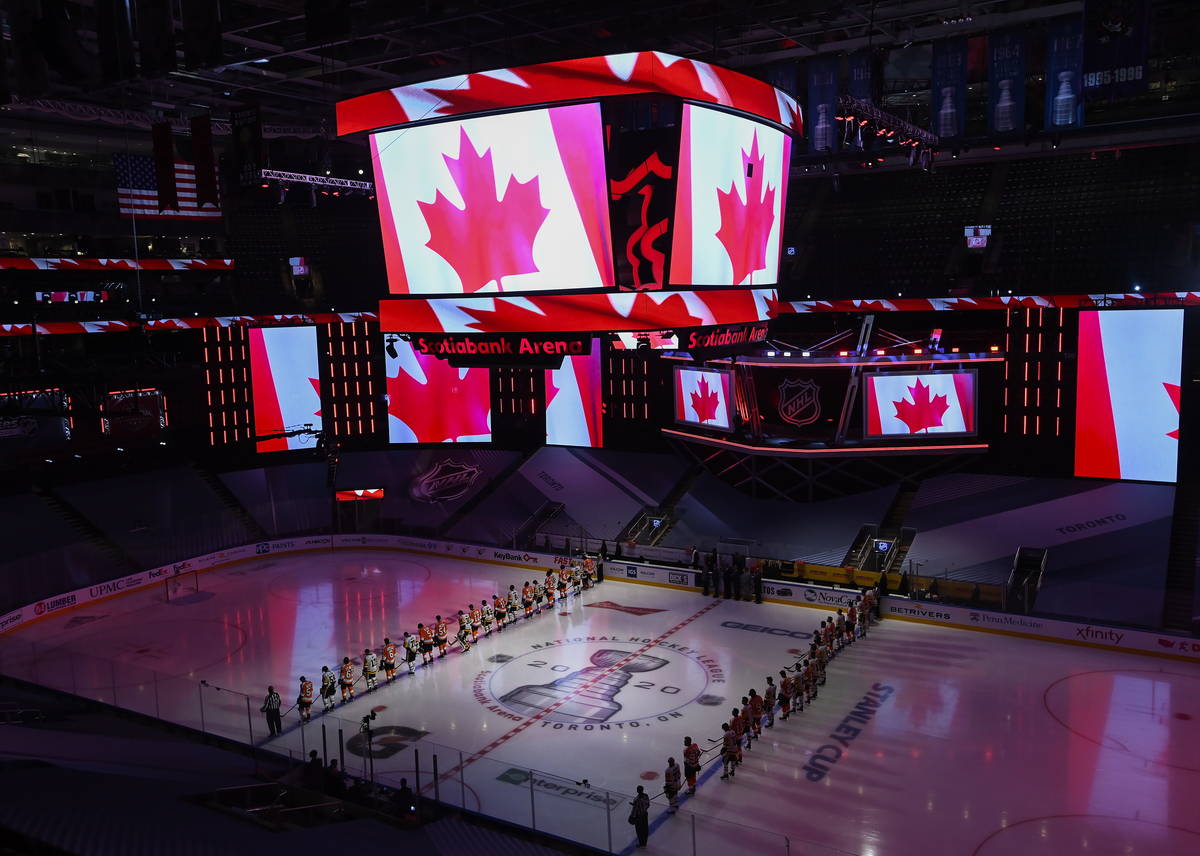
[860,78]
[822,103]
[1007,53]
[948,98]
[1116,47]
[1064,71]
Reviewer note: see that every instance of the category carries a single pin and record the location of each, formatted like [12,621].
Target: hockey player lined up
[464,631]
[756,714]
[769,695]
[346,679]
[549,585]
[564,575]
[412,647]
[441,636]
[426,636]
[851,620]
[839,630]
[328,687]
[538,594]
[671,785]
[500,608]
[730,750]
[737,724]
[787,689]
[476,622]
[747,723]
[304,701]
[488,614]
[512,604]
[691,764]
[391,652]
[370,669]
[527,599]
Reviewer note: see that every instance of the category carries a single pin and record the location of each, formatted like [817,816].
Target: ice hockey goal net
[182,585]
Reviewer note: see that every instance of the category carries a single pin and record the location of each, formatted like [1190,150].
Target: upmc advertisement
[1127,405]
[516,202]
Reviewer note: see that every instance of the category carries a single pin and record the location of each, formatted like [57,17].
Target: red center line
[517,729]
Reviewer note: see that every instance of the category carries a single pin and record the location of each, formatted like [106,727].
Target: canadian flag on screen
[516,202]
[899,405]
[1127,407]
[285,384]
[573,401]
[702,398]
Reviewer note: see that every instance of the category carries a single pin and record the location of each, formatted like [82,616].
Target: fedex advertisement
[285,385]
[1127,394]
[574,401]
[900,406]
[730,200]
[702,398]
[508,203]
[430,401]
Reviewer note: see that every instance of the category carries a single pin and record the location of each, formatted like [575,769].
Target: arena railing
[510,792]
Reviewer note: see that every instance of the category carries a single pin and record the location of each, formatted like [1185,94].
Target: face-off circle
[602,682]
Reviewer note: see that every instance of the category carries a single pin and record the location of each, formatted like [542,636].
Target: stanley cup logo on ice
[588,695]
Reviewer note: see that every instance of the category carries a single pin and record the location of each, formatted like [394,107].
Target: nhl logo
[448,480]
[799,402]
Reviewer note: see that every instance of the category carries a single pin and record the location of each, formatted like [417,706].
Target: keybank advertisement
[821,597]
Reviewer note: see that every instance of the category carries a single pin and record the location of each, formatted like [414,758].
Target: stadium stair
[638,527]
[88,530]
[1183,563]
[860,546]
[470,505]
[231,502]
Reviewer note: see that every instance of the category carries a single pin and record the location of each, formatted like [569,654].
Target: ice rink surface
[980,744]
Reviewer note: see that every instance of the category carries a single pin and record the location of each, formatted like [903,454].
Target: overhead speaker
[202,33]
[156,38]
[114,36]
[326,21]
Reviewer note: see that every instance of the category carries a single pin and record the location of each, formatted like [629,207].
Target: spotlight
[843,353]
[787,353]
[994,349]
[770,353]
[805,354]
[879,353]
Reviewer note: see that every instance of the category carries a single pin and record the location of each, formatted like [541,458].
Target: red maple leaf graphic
[446,406]
[316,384]
[492,236]
[552,391]
[1173,392]
[665,314]
[746,225]
[777,307]
[922,412]
[705,401]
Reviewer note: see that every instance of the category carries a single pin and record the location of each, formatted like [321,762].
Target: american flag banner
[137,190]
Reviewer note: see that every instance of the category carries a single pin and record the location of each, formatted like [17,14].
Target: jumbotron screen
[430,401]
[506,203]
[285,385]
[574,401]
[729,202]
[910,406]
[1127,394]
[703,398]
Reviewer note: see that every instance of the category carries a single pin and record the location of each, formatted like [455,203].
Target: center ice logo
[602,682]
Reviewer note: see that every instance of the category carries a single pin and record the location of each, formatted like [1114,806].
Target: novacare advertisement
[1044,629]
